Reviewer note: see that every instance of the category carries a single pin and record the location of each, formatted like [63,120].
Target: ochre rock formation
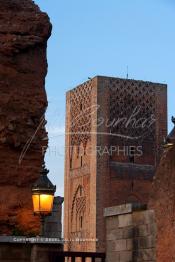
[163,202]
[24,31]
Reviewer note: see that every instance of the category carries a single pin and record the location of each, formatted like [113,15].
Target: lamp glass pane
[46,203]
[43,203]
[36,201]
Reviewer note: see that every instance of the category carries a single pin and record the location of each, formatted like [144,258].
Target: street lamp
[170,140]
[43,195]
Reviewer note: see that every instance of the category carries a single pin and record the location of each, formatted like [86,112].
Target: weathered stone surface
[24,31]
[163,202]
[135,242]
[126,256]
[118,210]
[120,245]
[125,220]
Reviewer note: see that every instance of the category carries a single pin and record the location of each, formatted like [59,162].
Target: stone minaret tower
[114,134]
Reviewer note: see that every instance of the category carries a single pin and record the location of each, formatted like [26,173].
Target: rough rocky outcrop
[24,31]
[163,202]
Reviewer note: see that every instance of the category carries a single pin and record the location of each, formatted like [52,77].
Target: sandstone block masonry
[24,31]
[130,233]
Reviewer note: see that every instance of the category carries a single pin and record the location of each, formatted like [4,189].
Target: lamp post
[43,195]
[170,140]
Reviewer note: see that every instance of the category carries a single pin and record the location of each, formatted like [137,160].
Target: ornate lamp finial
[44,170]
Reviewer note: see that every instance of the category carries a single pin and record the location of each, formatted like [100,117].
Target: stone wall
[162,200]
[27,252]
[24,31]
[130,233]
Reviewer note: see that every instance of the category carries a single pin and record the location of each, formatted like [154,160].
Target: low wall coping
[30,240]
[124,209]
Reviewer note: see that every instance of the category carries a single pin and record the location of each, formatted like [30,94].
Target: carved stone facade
[78,190]
[114,133]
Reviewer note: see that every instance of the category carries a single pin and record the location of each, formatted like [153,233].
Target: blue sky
[102,38]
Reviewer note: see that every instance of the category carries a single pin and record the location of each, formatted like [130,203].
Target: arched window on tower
[78,211]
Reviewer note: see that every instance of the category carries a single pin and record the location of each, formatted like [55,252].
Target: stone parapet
[21,249]
[130,233]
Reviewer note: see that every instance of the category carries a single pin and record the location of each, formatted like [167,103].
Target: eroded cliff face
[163,202]
[24,31]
